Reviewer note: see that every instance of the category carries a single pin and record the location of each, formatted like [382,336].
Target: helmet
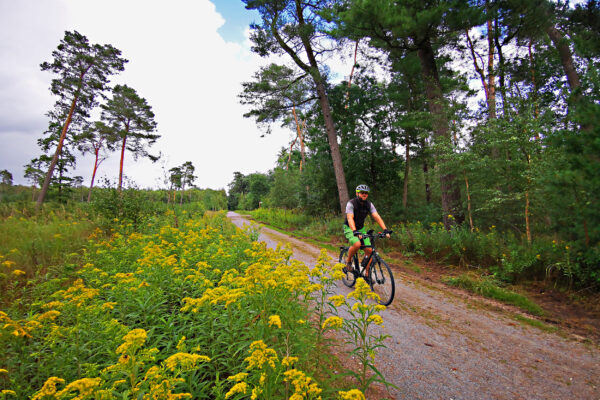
[362,188]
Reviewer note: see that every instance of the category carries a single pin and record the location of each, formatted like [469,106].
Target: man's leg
[352,251]
[368,252]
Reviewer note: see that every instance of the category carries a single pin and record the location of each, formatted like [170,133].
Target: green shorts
[353,239]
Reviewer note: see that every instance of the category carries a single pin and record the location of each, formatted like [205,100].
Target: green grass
[412,266]
[33,244]
[535,323]
[488,288]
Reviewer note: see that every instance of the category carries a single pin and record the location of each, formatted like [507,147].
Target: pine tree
[83,71]
[129,117]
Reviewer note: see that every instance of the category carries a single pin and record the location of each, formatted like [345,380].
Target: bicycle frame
[375,272]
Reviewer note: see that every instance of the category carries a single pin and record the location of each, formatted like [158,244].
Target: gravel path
[448,345]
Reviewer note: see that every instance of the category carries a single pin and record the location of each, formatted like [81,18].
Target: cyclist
[357,210]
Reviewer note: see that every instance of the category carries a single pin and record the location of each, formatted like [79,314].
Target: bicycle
[380,277]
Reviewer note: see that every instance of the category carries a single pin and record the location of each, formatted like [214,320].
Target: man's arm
[351,223]
[379,221]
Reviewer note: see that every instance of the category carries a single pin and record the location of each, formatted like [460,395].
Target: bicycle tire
[382,281]
[348,279]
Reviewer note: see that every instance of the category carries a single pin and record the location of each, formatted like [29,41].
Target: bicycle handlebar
[370,234]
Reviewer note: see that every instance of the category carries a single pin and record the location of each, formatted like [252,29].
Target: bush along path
[442,344]
[198,311]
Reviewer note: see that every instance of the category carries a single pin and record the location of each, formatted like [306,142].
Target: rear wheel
[349,279]
[382,281]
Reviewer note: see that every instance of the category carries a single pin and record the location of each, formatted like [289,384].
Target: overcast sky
[187,58]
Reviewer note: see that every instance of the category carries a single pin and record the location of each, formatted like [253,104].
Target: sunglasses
[363,192]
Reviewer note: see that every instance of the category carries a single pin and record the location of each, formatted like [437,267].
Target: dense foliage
[476,114]
[185,306]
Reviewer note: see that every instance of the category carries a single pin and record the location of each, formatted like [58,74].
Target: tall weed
[39,245]
[197,310]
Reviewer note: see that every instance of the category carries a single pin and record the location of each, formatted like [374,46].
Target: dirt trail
[445,345]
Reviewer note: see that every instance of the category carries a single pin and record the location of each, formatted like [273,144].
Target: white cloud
[178,62]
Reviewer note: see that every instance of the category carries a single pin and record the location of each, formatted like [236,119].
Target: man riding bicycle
[357,210]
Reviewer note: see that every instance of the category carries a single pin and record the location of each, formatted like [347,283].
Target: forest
[480,115]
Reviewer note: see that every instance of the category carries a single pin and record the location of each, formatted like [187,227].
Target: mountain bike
[372,269]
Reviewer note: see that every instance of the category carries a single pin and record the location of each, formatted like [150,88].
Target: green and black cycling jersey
[360,209]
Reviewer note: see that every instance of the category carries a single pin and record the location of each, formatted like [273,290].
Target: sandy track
[446,345]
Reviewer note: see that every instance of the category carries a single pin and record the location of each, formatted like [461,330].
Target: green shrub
[130,206]
[488,287]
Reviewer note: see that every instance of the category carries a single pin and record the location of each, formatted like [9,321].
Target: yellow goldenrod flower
[353,394]
[334,322]
[18,272]
[288,361]
[134,339]
[238,377]
[337,274]
[84,386]
[186,361]
[260,355]
[181,344]
[363,291]
[256,392]
[303,385]
[274,320]
[3,371]
[240,387]
[49,388]
[376,319]
[48,315]
[109,305]
[338,300]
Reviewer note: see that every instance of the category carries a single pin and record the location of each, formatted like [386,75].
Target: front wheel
[349,279]
[382,281]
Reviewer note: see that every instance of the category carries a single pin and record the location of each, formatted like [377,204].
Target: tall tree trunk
[491,72]
[449,187]
[336,156]
[287,165]
[489,84]
[469,202]
[406,173]
[501,70]
[527,222]
[427,186]
[302,147]
[121,163]
[299,132]
[351,74]
[313,70]
[566,58]
[97,151]
[533,82]
[63,134]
